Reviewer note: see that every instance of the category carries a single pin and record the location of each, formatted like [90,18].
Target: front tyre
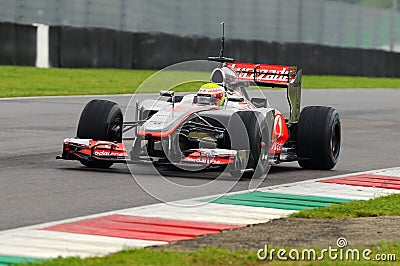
[318,137]
[258,140]
[100,120]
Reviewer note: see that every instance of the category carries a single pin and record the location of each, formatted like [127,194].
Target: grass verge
[217,256]
[381,206]
[29,81]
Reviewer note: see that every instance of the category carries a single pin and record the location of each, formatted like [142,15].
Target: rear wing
[275,76]
[265,75]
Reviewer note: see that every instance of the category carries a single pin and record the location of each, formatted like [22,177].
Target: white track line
[333,190]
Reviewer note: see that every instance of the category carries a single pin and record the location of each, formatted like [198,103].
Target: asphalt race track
[35,187]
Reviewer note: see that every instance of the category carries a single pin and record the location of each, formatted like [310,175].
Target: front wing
[93,150]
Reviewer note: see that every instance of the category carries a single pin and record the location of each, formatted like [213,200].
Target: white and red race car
[243,133]
[227,130]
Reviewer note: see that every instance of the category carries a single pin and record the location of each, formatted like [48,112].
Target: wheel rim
[116,129]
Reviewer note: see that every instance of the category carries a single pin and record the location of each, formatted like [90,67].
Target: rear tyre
[100,120]
[258,139]
[318,137]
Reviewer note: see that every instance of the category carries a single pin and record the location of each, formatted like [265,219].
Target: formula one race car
[219,127]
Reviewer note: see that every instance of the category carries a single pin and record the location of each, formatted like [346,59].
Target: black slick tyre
[318,137]
[258,141]
[100,120]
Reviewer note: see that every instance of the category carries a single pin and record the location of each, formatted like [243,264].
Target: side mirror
[170,94]
[167,93]
[259,102]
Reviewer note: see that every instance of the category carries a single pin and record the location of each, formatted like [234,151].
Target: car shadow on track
[175,172]
[98,170]
[286,168]
[165,171]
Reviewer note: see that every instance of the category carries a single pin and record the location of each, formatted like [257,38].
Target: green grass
[211,256]
[29,81]
[381,206]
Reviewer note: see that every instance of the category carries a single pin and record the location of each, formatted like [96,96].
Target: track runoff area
[159,224]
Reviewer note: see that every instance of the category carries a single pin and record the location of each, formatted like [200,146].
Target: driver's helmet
[210,93]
